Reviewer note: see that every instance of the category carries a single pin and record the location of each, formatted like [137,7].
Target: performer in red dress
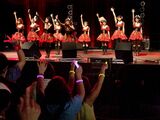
[84,38]
[19,35]
[119,34]
[57,35]
[137,35]
[47,36]
[70,34]
[34,28]
[104,37]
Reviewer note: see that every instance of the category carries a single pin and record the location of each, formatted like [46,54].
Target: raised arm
[52,19]
[29,14]
[28,108]
[71,78]
[97,16]
[133,11]
[79,83]
[115,18]
[97,87]
[42,66]
[15,15]
[21,57]
[82,20]
[39,17]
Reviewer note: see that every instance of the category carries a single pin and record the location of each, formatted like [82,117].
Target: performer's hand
[97,15]
[37,14]
[133,10]
[28,10]
[14,12]
[112,9]
[81,16]
[51,15]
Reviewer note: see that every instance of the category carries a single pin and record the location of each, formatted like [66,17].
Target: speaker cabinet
[69,50]
[123,50]
[31,50]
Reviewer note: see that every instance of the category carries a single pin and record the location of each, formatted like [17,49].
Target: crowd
[60,99]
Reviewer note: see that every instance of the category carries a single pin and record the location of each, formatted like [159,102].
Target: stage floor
[145,57]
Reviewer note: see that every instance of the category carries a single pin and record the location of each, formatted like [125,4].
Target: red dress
[19,34]
[104,37]
[32,35]
[119,34]
[136,34]
[47,35]
[58,36]
[84,37]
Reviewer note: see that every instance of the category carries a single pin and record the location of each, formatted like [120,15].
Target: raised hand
[97,15]
[81,16]
[51,15]
[28,10]
[112,9]
[14,12]
[133,10]
[72,66]
[28,108]
[104,66]
[79,72]
[42,66]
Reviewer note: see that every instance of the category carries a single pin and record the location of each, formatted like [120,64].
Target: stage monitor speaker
[31,50]
[69,50]
[123,50]
[99,61]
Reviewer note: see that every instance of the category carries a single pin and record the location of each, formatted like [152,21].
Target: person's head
[5,95]
[137,18]
[48,20]
[3,65]
[57,92]
[68,21]
[119,17]
[104,22]
[35,18]
[85,23]
[19,21]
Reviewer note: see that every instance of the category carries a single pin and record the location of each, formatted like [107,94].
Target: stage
[145,57]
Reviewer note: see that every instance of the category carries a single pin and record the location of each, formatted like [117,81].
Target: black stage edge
[129,90]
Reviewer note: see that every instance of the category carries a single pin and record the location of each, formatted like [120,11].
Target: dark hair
[3,62]
[57,92]
[49,19]
[5,99]
[120,16]
[21,20]
[137,17]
